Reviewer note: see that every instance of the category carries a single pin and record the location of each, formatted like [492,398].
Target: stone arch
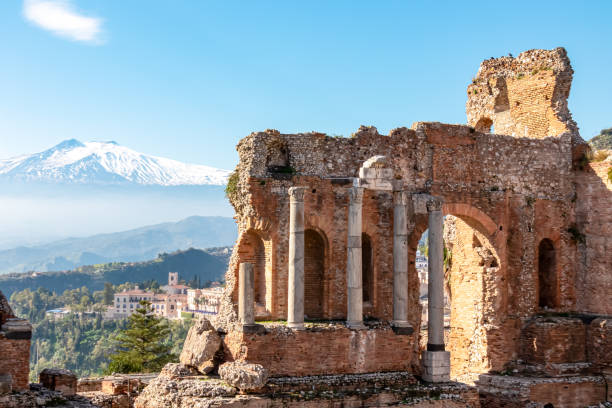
[474,277]
[484,125]
[367,268]
[547,274]
[315,251]
[476,286]
[467,211]
[252,249]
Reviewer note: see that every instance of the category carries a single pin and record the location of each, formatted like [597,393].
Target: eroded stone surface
[164,392]
[201,347]
[244,376]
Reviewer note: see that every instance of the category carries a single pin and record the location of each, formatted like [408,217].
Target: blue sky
[188,79]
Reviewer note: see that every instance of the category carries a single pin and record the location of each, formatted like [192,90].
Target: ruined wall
[15,335]
[324,349]
[524,96]
[593,235]
[515,196]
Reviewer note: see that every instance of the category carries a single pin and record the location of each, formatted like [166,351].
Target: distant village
[175,301]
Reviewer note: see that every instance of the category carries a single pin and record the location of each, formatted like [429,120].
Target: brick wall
[15,360]
[553,340]
[594,223]
[599,342]
[323,350]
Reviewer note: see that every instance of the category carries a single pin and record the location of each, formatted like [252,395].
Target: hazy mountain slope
[106,163]
[207,264]
[134,245]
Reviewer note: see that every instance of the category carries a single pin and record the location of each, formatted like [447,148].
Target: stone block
[244,376]
[436,366]
[61,380]
[120,385]
[201,346]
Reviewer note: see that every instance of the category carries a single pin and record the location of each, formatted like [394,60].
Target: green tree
[142,346]
[109,293]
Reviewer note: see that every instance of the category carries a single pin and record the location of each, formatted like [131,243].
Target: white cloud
[59,17]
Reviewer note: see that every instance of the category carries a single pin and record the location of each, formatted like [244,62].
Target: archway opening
[367,269]
[252,250]
[473,281]
[547,275]
[473,289]
[314,273]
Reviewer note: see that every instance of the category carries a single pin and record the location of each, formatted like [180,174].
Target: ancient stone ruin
[322,280]
[321,306]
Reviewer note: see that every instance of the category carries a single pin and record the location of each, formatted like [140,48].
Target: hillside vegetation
[207,265]
[603,140]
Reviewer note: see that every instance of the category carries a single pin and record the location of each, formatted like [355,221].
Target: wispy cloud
[59,17]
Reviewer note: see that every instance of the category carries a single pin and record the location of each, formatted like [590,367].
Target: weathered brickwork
[599,343]
[515,392]
[15,360]
[594,238]
[524,96]
[15,335]
[332,349]
[553,340]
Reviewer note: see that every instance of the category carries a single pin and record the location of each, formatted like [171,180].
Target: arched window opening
[484,125]
[547,274]
[314,271]
[367,269]
[253,250]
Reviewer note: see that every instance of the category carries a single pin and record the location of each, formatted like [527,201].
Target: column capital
[398,185]
[434,204]
[401,197]
[356,195]
[296,194]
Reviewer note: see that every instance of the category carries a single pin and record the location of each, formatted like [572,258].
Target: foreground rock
[38,396]
[190,392]
[201,347]
[244,376]
[363,390]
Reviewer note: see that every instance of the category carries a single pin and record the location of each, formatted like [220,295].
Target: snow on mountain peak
[72,161]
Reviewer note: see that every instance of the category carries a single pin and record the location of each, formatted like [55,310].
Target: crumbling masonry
[329,229]
[15,335]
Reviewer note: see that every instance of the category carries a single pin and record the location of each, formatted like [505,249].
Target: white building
[126,302]
[204,301]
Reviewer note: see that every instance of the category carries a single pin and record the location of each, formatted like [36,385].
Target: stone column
[400,259]
[354,275]
[436,361]
[246,294]
[295,301]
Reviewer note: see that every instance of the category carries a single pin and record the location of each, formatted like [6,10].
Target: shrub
[232,185]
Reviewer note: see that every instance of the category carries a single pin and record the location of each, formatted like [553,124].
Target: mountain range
[106,163]
[133,245]
[83,189]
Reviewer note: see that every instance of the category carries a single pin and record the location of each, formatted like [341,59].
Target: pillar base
[400,323]
[402,328]
[356,325]
[253,329]
[296,326]
[436,366]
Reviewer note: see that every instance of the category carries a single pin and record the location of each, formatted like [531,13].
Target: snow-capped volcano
[106,163]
